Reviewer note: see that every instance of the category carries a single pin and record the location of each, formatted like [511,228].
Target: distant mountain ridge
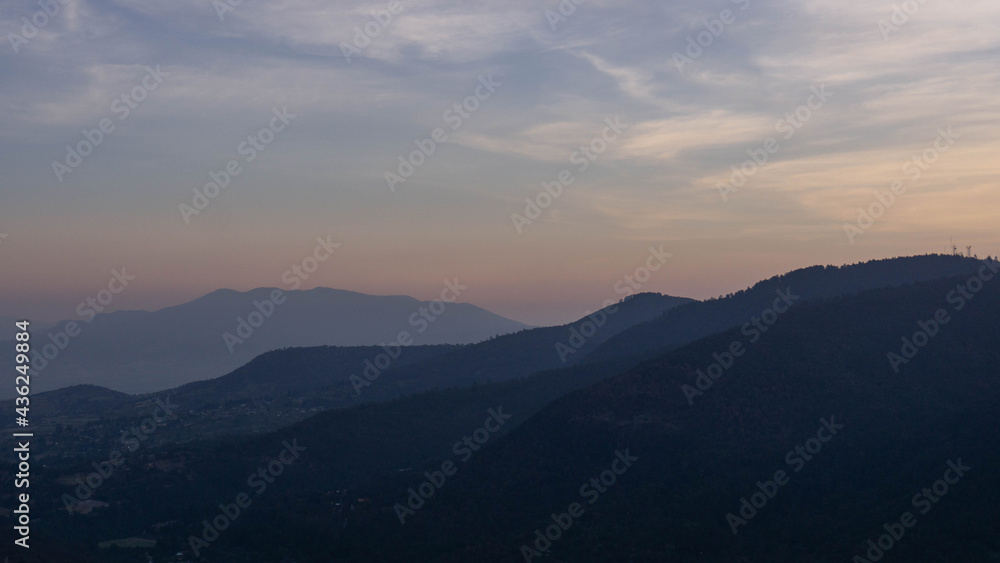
[638,327]
[703,318]
[331,377]
[825,358]
[141,351]
[824,361]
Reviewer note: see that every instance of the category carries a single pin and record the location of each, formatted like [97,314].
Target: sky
[839,103]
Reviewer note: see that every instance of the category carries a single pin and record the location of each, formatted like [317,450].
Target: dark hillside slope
[825,360]
[699,319]
[825,356]
[521,354]
[279,387]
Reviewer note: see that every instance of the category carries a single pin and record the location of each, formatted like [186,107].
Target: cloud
[608,58]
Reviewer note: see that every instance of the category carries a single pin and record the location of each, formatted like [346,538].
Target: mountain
[702,318]
[382,373]
[79,401]
[518,355]
[817,398]
[274,390]
[281,387]
[348,446]
[311,376]
[823,359]
[648,325]
[142,352]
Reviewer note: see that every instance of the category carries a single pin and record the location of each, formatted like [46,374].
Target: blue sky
[891,90]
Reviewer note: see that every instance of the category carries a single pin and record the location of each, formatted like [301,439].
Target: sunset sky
[891,92]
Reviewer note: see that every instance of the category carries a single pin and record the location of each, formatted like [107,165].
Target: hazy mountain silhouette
[140,351]
[695,462]
[322,376]
[820,359]
[638,327]
[412,369]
